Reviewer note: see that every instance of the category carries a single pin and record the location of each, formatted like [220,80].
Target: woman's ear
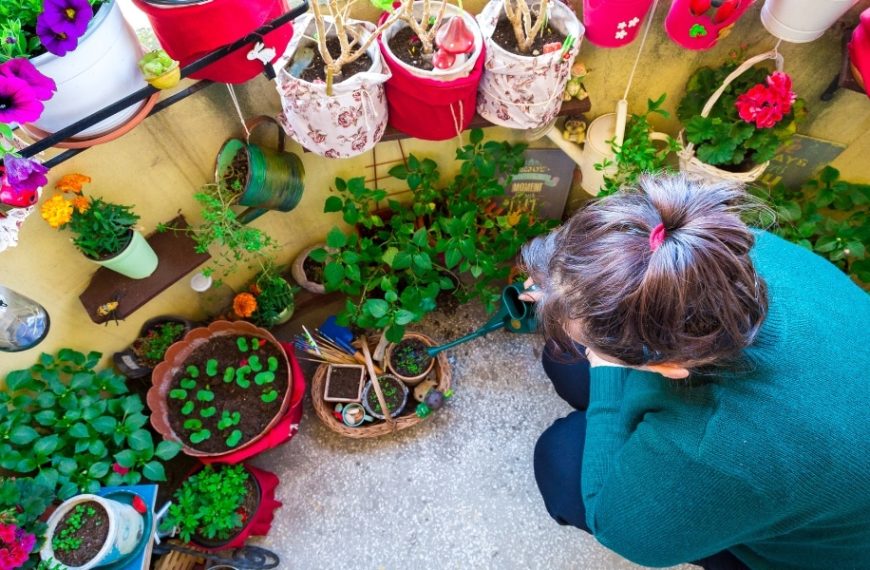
[672,371]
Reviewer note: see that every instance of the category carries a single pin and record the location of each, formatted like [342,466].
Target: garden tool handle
[388,413]
[255,122]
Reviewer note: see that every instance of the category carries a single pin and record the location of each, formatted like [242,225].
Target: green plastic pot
[275,179]
[137,261]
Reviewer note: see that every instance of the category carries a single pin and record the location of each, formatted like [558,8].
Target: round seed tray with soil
[409,360]
[506,39]
[81,534]
[406,419]
[220,389]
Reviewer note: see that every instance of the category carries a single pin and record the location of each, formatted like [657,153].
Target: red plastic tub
[189,31]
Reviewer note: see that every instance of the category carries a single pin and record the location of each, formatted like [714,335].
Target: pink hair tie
[657,237]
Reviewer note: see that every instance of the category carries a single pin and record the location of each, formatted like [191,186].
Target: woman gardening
[722,408]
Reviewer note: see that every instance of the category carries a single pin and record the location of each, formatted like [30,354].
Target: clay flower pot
[297,270]
[414,379]
[175,359]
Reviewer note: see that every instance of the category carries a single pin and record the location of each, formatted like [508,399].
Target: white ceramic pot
[125,531]
[137,261]
[801,21]
[455,72]
[100,71]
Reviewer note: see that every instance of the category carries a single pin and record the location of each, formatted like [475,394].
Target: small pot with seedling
[147,351]
[88,531]
[220,389]
[395,397]
[408,360]
[344,383]
[160,70]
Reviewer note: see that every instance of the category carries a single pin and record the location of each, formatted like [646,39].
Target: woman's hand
[532,292]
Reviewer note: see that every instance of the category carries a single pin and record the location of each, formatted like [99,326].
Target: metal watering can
[275,177]
[514,315]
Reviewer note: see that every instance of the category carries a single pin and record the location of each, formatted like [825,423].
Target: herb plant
[396,266]
[154,344]
[733,137]
[76,428]
[67,539]
[156,63]
[272,296]
[209,503]
[22,503]
[826,215]
[638,154]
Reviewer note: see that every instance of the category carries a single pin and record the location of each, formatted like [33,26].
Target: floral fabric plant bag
[524,92]
[350,121]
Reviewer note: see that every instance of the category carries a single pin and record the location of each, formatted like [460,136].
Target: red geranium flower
[766,105]
[15,546]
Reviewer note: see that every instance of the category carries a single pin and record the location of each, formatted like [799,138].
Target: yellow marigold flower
[82,204]
[244,305]
[57,211]
[72,183]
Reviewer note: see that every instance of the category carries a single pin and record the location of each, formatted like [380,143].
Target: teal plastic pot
[275,179]
[137,261]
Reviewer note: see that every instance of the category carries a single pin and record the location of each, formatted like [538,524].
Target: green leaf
[389,255]
[46,445]
[97,448]
[22,435]
[140,440]
[826,243]
[422,261]
[452,257]
[403,317]
[98,469]
[333,204]
[126,458]
[333,273]
[377,307]
[399,171]
[19,380]
[153,470]
[104,424]
[132,404]
[166,450]
[336,238]
[476,136]
[66,465]
[318,255]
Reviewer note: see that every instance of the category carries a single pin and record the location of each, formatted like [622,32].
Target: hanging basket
[408,418]
[524,92]
[350,121]
[691,164]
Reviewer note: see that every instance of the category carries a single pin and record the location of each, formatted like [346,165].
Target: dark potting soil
[409,358]
[313,270]
[316,69]
[344,383]
[505,37]
[236,175]
[91,535]
[246,399]
[392,395]
[247,509]
[406,46]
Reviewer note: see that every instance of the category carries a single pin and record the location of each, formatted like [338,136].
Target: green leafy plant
[638,154]
[724,138]
[402,258]
[156,63]
[18,36]
[209,503]
[274,296]
[22,503]
[152,347]
[67,539]
[827,215]
[76,428]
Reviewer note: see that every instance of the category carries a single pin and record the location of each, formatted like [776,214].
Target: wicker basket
[689,162]
[324,409]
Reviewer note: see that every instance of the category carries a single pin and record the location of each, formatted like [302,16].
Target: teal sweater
[772,464]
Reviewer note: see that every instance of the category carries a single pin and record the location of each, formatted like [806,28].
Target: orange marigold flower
[244,305]
[56,211]
[72,183]
[82,204]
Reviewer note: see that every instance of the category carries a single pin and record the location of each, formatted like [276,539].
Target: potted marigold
[104,231]
[268,301]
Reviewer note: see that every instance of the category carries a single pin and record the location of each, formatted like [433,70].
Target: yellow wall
[159,165]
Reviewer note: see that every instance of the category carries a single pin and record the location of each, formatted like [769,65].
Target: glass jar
[24,323]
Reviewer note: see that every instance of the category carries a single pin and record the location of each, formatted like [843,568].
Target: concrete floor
[457,491]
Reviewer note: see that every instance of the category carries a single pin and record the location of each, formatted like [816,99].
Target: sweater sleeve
[649,499]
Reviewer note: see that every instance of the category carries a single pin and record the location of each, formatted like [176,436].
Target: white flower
[621,25]
[633,22]
[621,34]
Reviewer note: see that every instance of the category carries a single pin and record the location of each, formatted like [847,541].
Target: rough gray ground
[456,491]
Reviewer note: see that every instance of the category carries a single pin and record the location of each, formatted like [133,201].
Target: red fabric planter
[428,109]
[284,430]
[189,32]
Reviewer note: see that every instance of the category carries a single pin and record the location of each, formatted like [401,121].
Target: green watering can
[275,178]
[514,315]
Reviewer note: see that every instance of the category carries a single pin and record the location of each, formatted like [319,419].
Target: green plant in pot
[160,70]
[73,427]
[104,232]
[270,301]
[147,351]
[397,264]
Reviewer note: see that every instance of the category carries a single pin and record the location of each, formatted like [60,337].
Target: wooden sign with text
[798,162]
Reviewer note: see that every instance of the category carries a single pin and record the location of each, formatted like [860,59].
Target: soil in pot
[406,46]
[235,176]
[505,38]
[80,534]
[313,270]
[344,383]
[316,69]
[393,395]
[409,358]
[246,510]
[226,392]
[149,349]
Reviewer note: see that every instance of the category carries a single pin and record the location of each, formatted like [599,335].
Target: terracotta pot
[409,380]
[173,361]
[297,270]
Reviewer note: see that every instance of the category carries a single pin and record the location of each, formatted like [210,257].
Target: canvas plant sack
[350,121]
[524,92]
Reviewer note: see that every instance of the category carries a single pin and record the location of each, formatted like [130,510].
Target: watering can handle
[255,122]
[621,120]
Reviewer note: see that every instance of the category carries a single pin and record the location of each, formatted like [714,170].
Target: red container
[859,51]
[698,24]
[188,32]
[613,23]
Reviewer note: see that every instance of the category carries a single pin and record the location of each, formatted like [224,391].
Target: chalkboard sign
[798,162]
[545,179]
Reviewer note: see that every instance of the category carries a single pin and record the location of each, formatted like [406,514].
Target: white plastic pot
[456,72]
[100,71]
[125,531]
[801,21]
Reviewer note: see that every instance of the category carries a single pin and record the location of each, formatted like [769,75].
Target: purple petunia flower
[68,17]
[22,69]
[24,174]
[58,43]
[18,103]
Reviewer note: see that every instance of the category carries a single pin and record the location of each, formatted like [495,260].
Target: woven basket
[324,409]
[689,162]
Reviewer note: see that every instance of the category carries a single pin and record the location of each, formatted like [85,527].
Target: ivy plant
[826,215]
[401,258]
[75,428]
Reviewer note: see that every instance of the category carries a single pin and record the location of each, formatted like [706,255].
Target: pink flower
[767,105]
[120,469]
[345,119]
[15,546]
[780,84]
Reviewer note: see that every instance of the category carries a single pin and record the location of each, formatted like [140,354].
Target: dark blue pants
[559,455]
